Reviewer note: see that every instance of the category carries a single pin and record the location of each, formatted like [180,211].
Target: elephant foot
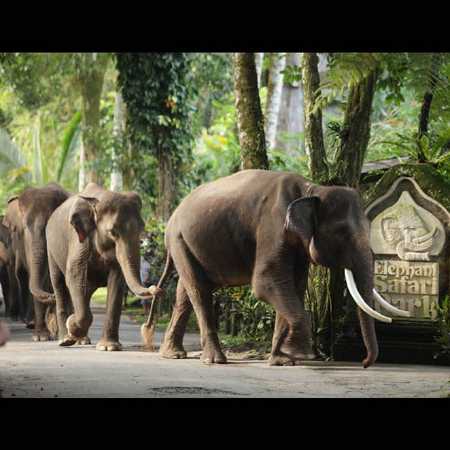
[67,341]
[75,329]
[173,352]
[298,353]
[213,355]
[280,360]
[41,336]
[107,345]
[84,341]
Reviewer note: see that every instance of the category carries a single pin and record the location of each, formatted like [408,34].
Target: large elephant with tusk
[93,240]
[264,228]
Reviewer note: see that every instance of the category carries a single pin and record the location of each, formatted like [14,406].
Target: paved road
[43,369]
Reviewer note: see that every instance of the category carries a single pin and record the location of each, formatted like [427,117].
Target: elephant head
[114,224]
[333,230]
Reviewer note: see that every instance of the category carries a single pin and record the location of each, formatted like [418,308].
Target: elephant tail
[168,269]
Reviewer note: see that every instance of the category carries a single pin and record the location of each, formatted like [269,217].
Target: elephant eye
[113,233]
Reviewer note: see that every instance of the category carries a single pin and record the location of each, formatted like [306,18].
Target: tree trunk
[355,132]
[249,114]
[259,58]
[426,103]
[166,186]
[291,115]
[91,75]
[314,144]
[119,133]
[278,63]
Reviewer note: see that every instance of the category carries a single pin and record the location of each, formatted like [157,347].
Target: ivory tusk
[388,307]
[359,300]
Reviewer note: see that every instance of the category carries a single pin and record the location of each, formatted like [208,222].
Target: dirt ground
[43,369]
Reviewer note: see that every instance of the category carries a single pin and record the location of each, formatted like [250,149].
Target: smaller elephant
[94,240]
[5,263]
[26,218]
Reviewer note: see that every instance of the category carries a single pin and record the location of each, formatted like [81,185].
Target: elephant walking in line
[26,218]
[94,240]
[6,272]
[263,228]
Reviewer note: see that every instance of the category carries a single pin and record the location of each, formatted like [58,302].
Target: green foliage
[256,318]
[157,90]
[444,328]
[217,152]
[69,141]
[36,78]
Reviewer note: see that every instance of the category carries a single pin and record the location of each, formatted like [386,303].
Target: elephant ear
[11,199]
[301,219]
[83,215]
[7,224]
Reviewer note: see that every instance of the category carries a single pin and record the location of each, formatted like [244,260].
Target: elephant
[263,228]
[5,271]
[93,240]
[26,217]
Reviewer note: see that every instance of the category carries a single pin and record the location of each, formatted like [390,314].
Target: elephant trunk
[363,275]
[129,259]
[38,266]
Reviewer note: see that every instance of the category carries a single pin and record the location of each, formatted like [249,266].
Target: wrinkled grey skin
[7,276]
[93,241]
[17,260]
[26,218]
[264,228]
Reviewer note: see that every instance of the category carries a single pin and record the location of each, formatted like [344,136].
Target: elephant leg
[13,291]
[114,298]
[201,299]
[199,291]
[5,291]
[63,300]
[173,340]
[24,296]
[292,334]
[80,320]
[40,332]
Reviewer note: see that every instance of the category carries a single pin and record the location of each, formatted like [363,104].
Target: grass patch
[136,313]
[99,296]
[243,344]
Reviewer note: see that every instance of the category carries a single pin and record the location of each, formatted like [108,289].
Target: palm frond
[38,177]
[69,144]
[11,156]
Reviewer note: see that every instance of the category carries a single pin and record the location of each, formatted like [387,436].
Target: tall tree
[436,62]
[314,142]
[90,71]
[259,59]
[156,90]
[249,115]
[355,132]
[274,90]
[119,137]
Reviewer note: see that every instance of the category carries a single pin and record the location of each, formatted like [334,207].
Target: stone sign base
[409,342]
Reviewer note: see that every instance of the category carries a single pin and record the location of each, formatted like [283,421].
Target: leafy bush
[444,328]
